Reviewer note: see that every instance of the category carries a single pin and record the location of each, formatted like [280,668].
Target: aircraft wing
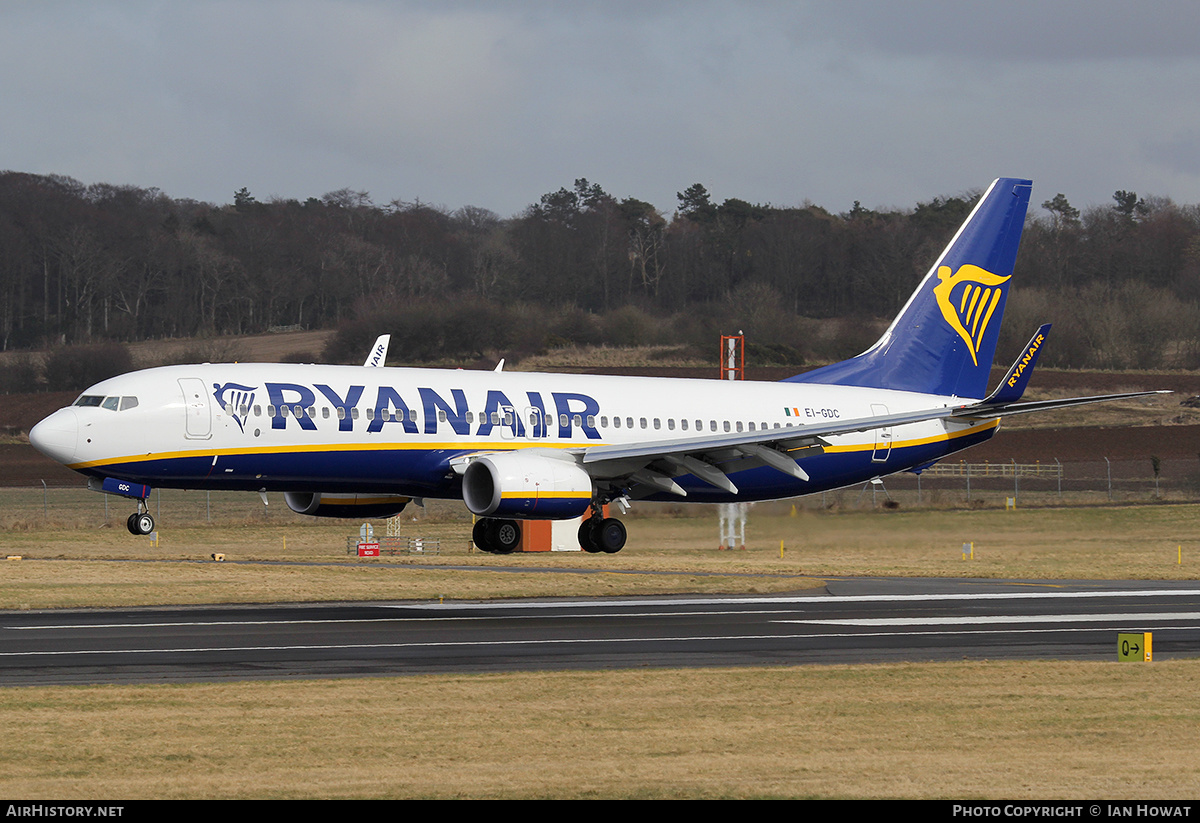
[654,464]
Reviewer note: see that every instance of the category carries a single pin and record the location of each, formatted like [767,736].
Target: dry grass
[965,729]
[969,729]
[288,558]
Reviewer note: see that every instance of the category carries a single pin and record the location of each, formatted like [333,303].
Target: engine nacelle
[528,486]
[358,506]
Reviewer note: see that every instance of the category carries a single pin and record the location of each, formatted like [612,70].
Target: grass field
[947,730]
[273,555]
[979,729]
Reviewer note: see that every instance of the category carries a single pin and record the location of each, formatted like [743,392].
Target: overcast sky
[493,104]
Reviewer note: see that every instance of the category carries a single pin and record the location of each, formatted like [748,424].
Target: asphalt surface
[850,621]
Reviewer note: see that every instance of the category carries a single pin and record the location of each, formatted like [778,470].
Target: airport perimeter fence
[950,484]
[1041,483]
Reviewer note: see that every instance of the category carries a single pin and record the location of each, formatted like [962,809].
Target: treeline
[83,264]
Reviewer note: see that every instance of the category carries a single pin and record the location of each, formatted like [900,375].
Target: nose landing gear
[140,522]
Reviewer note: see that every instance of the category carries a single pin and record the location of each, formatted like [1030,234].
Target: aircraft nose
[57,436]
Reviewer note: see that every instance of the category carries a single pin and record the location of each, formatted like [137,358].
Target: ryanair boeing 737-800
[362,441]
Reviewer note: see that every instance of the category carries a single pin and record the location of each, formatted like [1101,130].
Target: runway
[849,621]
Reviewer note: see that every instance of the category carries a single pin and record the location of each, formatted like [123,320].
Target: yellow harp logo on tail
[967,299]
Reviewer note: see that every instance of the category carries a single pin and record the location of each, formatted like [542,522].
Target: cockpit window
[110,403]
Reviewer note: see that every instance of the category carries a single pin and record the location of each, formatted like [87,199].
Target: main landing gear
[140,522]
[596,534]
[601,534]
[497,536]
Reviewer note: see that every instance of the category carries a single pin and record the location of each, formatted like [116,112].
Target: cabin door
[196,408]
[883,436]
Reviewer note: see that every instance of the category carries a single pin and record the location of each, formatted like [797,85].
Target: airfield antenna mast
[733,515]
[733,356]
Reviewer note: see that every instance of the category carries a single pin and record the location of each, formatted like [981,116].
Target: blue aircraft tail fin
[944,339]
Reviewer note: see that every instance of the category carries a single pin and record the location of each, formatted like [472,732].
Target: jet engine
[522,485]
[326,504]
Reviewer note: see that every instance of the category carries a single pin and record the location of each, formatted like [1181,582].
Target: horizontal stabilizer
[984,412]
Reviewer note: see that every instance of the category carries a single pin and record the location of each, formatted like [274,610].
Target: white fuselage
[281,427]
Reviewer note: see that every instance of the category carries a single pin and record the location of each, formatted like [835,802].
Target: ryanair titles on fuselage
[570,410]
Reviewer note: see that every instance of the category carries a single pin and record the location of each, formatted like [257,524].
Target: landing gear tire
[140,523]
[496,536]
[610,535]
[587,537]
[602,535]
[504,536]
[479,536]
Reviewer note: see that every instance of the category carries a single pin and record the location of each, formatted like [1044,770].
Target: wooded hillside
[86,264]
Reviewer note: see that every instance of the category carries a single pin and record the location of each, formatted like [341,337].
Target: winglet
[1012,387]
[379,351]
